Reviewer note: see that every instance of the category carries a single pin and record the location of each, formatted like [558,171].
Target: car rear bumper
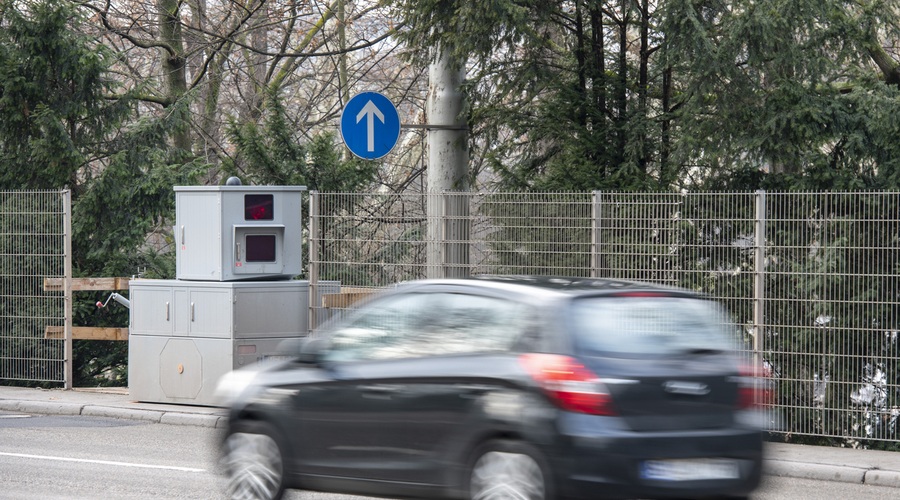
[682,464]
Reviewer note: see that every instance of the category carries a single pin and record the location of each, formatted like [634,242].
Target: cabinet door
[210,313]
[198,236]
[154,314]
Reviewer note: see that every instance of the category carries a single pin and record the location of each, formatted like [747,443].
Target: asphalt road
[65,457]
[82,457]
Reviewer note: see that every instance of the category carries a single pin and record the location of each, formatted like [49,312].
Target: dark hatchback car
[504,388]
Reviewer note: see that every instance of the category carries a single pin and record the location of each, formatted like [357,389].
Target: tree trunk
[581,62]
[598,87]
[643,78]
[211,135]
[622,90]
[257,86]
[888,66]
[174,64]
[665,176]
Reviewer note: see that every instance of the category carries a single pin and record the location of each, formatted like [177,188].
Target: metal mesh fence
[810,279]
[32,248]
[832,299]
[373,240]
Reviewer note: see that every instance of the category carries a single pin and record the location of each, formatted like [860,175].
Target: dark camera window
[259,207]
[260,247]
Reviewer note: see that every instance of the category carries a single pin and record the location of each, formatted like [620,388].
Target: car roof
[558,285]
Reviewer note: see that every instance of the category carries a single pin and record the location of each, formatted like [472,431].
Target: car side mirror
[311,350]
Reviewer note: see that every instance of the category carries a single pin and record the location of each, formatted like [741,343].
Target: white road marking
[15,416]
[101,462]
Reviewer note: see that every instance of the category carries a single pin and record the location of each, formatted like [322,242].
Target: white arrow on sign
[370,111]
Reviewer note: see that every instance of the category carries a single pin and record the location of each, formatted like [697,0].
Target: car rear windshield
[650,325]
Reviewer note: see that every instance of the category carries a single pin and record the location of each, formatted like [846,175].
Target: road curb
[41,407]
[839,473]
[175,418]
[75,409]
[879,477]
[122,413]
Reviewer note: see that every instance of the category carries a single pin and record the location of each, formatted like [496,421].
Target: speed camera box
[231,233]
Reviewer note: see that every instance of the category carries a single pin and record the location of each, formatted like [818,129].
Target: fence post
[759,283]
[456,234]
[434,248]
[68,382]
[313,256]
[596,227]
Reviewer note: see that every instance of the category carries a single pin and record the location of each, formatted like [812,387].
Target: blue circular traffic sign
[370,125]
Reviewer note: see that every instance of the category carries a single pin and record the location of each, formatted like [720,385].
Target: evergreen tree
[59,128]
[54,118]
[274,153]
[789,87]
[639,95]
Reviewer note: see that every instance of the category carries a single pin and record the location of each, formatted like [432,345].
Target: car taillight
[569,383]
[753,388]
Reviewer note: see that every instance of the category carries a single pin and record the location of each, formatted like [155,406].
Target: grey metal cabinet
[185,335]
[220,309]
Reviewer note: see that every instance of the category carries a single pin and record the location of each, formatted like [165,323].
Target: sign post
[370,125]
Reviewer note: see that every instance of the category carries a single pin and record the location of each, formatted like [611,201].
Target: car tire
[509,470]
[253,462]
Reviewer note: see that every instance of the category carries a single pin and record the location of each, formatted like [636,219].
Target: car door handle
[381,388]
[473,388]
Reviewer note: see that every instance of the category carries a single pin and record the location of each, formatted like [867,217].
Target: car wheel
[508,470]
[253,463]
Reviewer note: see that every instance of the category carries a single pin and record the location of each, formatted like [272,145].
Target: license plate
[276,357]
[690,469]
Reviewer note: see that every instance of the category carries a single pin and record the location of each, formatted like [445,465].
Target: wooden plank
[346,298]
[86,284]
[87,333]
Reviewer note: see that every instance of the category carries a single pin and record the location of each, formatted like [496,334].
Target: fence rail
[811,279]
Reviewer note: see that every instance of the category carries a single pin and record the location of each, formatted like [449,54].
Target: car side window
[378,329]
[471,324]
[429,324]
